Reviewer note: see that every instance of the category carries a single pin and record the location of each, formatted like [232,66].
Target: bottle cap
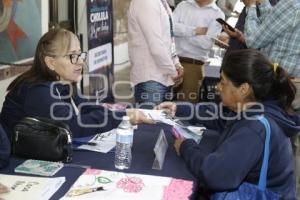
[126,118]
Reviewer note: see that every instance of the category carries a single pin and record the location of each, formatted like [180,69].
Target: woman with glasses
[48,89]
[250,85]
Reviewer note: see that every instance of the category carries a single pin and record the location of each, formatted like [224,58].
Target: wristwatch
[179,66]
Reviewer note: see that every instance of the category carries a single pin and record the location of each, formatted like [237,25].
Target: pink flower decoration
[131,184]
[178,190]
[92,172]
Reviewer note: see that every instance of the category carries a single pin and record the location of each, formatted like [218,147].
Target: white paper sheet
[29,187]
[104,142]
[158,115]
[125,186]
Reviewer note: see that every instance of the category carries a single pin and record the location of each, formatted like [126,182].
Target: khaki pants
[189,89]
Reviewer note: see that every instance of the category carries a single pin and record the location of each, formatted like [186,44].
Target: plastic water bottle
[124,138]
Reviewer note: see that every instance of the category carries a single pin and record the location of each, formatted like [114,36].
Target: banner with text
[100,46]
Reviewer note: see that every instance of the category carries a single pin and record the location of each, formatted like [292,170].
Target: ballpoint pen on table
[81,191]
[77,165]
[75,142]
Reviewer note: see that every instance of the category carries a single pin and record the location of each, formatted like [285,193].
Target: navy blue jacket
[4,148]
[235,155]
[42,100]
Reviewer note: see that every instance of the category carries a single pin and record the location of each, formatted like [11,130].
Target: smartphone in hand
[222,22]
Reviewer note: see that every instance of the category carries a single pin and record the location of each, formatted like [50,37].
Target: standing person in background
[194,26]
[227,6]
[236,41]
[155,65]
[171,4]
[276,33]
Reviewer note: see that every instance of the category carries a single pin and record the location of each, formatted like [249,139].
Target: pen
[84,143]
[81,191]
[150,116]
[76,165]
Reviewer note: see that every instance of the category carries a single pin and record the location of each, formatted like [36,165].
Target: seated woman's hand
[169,107]
[138,117]
[177,145]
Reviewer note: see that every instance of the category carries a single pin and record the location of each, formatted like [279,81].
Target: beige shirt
[149,43]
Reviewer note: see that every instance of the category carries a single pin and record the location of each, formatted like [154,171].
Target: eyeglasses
[74,57]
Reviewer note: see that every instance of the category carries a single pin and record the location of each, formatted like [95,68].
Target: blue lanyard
[166,6]
[168,10]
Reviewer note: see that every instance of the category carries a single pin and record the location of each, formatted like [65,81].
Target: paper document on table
[95,184]
[158,116]
[29,187]
[103,142]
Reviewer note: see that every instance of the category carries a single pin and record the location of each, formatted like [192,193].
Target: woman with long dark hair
[250,85]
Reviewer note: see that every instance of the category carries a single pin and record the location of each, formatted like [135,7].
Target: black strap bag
[42,139]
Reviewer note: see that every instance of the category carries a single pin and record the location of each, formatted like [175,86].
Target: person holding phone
[276,33]
[227,6]
[237,39]
[194,27]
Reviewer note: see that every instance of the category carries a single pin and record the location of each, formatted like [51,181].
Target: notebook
[29,187]
[39,167]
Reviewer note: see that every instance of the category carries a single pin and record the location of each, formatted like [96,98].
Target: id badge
[173,49]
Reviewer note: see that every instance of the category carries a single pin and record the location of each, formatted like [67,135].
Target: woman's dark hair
[54,43]
[268,82]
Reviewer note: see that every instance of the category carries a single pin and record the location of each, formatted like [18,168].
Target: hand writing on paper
[177,145]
